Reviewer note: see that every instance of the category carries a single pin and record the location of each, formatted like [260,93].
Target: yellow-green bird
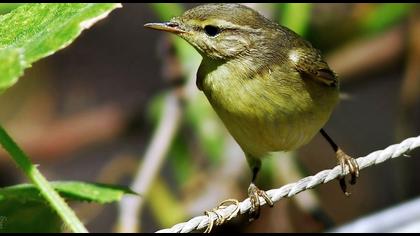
[271,88]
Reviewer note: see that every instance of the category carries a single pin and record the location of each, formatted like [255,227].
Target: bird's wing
[309,64]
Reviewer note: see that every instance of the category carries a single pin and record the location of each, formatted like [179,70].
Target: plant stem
[52,197]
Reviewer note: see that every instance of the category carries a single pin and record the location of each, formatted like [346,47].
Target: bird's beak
[171,27]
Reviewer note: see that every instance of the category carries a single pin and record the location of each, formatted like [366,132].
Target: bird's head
[219,31]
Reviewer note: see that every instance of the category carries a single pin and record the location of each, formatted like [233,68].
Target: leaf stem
[52,197]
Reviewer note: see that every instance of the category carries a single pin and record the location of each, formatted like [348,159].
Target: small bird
[270,87]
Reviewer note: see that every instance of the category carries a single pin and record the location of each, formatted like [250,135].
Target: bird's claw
[254,193]
[219,218]
[345,160]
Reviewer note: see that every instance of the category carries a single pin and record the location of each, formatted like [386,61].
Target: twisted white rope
[292,189]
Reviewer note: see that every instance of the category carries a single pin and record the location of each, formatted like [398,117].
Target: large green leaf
[71,190]
[29,217]
[11,66]
[23,209]
[33,31]
[7,7]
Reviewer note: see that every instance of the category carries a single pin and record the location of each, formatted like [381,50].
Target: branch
[292,189]
[130,206]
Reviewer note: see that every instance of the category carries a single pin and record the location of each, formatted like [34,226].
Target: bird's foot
[254,193]
[219,218]
[345,160]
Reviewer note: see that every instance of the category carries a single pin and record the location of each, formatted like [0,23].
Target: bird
[270,87]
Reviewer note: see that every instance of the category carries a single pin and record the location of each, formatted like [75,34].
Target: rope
[289,190]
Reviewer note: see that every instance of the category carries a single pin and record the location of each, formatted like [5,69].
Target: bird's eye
[211,30]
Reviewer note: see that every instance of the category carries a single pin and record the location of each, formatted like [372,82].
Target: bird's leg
[343,160]
[254,193]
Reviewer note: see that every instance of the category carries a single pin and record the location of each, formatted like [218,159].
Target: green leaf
[29,217]
[38,30]
[208,126]
[384,16]
[7,7]
[23,209]
[166,11]
[180,160]
[71,190]
[164,204]
[11,66]
[296,16]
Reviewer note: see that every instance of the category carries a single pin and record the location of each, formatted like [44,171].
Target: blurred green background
[90,112]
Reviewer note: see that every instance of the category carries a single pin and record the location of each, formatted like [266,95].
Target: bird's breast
[266,111]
